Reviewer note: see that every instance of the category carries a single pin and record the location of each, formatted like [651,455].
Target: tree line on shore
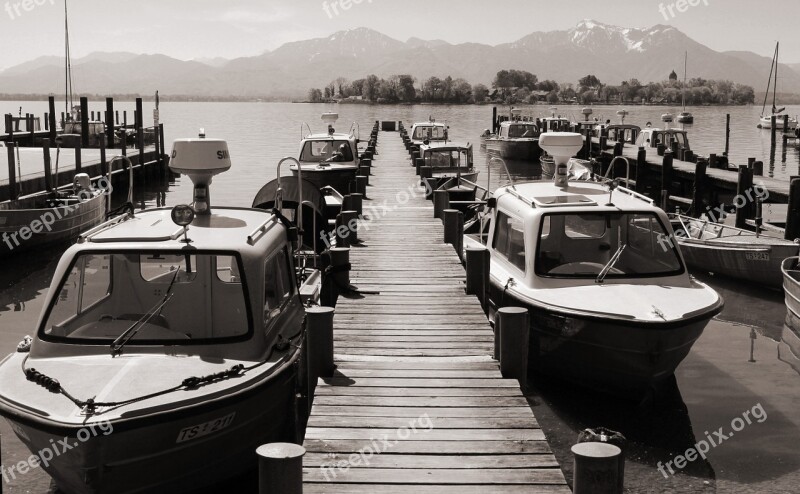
[521,87]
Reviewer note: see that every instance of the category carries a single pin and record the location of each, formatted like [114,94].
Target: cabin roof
[445,146]
[338,136]
[428,124]
[226,229]
[577,195]
[509,123]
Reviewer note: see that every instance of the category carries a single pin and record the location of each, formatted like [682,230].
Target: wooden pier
[414,351]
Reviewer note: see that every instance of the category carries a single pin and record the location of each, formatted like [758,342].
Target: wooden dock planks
[417,404]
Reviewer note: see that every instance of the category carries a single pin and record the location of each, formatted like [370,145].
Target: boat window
[509,240]
[521,130]
[446,158]
[330,151]
[579,246]
[165,296]
[428,132]
[278,287]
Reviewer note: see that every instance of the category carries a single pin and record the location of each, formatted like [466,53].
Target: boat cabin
[555,236]
[518,130]
[623,132]
[428,131]
[329,159]
[555,124]
[652,137]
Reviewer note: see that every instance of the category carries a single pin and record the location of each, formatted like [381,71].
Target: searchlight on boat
[200,159]
[561,146]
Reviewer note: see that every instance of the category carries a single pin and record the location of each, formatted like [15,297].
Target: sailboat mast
[771,69]
[683,93]
[68,100]
[775,82]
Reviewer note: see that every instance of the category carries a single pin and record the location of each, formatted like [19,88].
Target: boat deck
[417,404]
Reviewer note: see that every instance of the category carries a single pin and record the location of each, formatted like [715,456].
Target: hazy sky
[189,29]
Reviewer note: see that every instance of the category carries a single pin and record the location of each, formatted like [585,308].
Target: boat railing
[355,127]
[279,191]
[303,136]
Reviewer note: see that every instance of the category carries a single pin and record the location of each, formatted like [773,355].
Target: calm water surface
[716,383]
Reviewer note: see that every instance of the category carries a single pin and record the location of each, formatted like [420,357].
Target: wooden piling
[418,164]
[361,185]
[793,210]
[441,202]
[477,260]
[454,230]
[597,468]
[340,262]
[319,338]
[354,202]
[349,222]
[758,168]
[772,130]
[139,129]
[78,159]
[727,133]
[13,189]
[280,468]
[641,169]
[512,325]
[110,123]
[51,118]
[48,173]
[666,179]
[743,188]
[84,121]
[712,161]
[699,187]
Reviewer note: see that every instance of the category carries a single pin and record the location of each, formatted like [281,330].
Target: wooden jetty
[413,350]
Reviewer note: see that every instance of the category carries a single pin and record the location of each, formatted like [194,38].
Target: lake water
[718,382]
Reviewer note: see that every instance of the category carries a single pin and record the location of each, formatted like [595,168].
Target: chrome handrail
[299,188]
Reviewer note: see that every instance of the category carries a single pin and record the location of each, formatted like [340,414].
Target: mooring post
[666,178]
[758,168]
[641,169]
[478,260]
[512,324]
[280,468]
[597,469]
[13,191]
[699,187]
[124,140]
[418,164]
[361,185]
[454,230]
[110,122]
[727,133]
[48,173]
[84,121]
[712,161]
[744,187]
[319,338]
[340,268]
[588,146]
[772,130]
[793,210]
[78,158]
[441,202]
[140,131]
[354,202]
[494,119]
[51,117]
[618,148]
[349,222]
[103,162]
[785,123]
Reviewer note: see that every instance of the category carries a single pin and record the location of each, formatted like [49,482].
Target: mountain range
[609,52]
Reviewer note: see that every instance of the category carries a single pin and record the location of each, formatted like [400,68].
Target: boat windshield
[667,138]
[158,296]
[573,245]
[447,158]
[433,132]
[522,130]
[328,151]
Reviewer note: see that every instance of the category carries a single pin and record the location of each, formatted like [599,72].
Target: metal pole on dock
[280,468]
[511,328]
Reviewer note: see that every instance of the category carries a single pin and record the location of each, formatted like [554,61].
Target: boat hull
[65,223]
[619,357]
[527,149]
[153,454]
[766,123]
[758,263]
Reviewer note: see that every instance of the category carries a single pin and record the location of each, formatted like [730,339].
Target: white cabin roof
[545,195]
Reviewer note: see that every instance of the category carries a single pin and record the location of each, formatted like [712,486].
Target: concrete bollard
[441,201]
[454,229]
[596,469]
[512,327]
[478,260]
[280,468]
[319,338]
[361,185]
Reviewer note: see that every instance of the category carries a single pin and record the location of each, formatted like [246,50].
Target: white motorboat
[612,304]
[329,159]
[430,131]
[174,332]
[449,161]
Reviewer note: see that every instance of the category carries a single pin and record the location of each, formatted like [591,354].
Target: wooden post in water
[744,187]
[51,117]
[699,187]
[727,134]
[13,191]
[773,129]
[793,210]
[124,140]
[441,202]
[110,123]
[84,121]
[280,468]
[477,260]
[513,325]
[494,119]
[712,160]
[454,230]
[786,124]
[340,262]
[319,338]
[48,174]
[78,160]
[140,130]
[666,179]
[597,468]
[758,168]
[641,169]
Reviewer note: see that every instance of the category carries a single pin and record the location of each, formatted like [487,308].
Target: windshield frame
[50,338]
[672,247]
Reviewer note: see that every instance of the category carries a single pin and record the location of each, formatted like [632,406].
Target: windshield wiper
[610,264]
[128,334]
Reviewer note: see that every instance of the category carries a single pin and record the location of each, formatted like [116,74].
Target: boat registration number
[756,256]
[205,429]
